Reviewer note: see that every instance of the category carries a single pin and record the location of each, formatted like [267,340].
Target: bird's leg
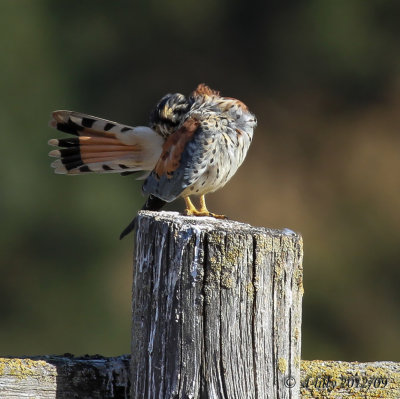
[205,212]
[203,206]
[190,208]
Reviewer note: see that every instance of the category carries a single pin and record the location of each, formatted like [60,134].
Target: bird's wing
[102,146]
[182,159]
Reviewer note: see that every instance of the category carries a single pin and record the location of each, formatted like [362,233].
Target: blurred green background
[323,78]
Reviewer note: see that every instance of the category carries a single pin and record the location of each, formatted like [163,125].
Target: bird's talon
[203,211]
[217,216]
[187,212]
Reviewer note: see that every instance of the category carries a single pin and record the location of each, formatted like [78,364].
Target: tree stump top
[207,224]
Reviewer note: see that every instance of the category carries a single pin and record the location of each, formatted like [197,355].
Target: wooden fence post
[216,309]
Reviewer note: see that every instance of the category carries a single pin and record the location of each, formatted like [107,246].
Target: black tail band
[152,204]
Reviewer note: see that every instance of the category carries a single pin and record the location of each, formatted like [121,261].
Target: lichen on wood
[37,378]
[64,377]
[336,380]
[216,309]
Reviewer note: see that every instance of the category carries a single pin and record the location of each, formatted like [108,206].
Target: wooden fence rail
[216,315]
[66,377]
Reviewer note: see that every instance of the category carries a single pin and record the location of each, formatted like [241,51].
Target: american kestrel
[193,146]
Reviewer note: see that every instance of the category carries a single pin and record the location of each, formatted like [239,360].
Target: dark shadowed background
[323,79]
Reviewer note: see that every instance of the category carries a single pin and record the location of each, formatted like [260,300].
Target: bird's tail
[152,204]
[102,146]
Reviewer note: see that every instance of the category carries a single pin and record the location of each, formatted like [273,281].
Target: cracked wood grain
[216,309]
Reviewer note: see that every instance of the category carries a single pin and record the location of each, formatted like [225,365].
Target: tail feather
[102,146]
[152,204]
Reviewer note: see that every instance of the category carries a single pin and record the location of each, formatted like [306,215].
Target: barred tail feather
[102,146]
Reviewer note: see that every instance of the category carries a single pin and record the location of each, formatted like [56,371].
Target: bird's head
[169,113]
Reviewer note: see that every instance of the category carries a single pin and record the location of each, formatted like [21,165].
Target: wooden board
[64,377]
[98,377]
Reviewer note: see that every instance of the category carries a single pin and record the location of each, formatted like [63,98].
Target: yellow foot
[190,208]
[203,211]
[217,216]
[195,212]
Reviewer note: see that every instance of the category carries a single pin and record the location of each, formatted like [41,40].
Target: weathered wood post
[216,309]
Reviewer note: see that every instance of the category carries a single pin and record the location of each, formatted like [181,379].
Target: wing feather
[175,170]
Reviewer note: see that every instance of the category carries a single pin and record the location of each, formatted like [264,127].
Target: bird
[192,146]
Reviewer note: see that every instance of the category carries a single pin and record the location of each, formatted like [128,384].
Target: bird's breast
[224,154]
